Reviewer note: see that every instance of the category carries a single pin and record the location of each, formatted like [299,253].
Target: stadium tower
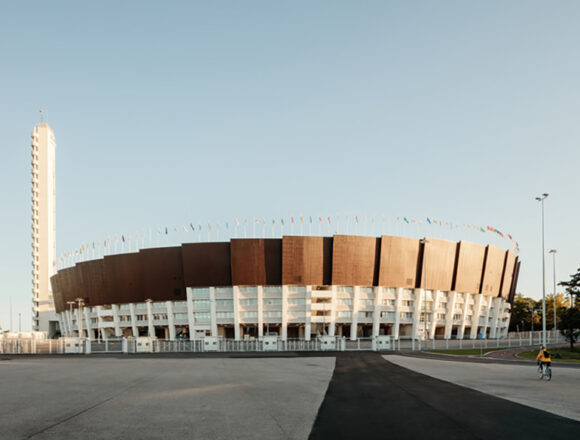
[43,229]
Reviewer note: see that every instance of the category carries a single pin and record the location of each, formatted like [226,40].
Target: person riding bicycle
[544,357]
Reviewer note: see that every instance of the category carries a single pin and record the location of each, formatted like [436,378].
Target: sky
[172,113]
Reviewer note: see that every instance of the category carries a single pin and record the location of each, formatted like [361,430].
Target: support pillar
[355,307]
[170,320]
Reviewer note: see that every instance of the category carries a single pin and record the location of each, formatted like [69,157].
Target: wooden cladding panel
[66,287]
[256,261]
[122,281]
[206,264]
[438,264]
[57,292]
[399,259]
[306,260]
[493,271]
[469,267]
[162,274]
[514,281]
[92,286]
[355,260]
[508,272]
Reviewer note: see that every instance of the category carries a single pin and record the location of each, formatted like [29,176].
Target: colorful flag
[428,221]
[405,218]
[123,238]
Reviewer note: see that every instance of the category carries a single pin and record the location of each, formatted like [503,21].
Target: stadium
[293,287]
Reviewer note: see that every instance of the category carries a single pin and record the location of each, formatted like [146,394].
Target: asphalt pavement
[369,397]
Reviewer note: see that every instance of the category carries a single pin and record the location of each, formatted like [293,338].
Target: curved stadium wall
[296,287]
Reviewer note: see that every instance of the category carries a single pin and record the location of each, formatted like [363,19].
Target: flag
[123,238]
[166,230]
[301,219]
[237,222]
[159,230]
[282,221]
[311,219]
[292,219]
[356,218]
[328,220]
[428,221]
[184,228]
[192,227]
[405,218]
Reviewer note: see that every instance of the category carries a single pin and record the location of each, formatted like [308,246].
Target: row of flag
[109,246]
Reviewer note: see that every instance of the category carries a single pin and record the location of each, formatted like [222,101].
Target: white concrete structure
[304,312]
[43,228]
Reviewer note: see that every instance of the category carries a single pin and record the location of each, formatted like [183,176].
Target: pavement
[370,397]
[347,395]
[101,397]
[515,380]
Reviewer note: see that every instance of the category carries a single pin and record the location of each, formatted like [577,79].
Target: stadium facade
[294,287]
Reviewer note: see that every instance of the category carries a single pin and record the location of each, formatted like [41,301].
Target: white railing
[222,345]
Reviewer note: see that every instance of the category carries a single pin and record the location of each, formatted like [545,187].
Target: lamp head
[545,195]
[552,251]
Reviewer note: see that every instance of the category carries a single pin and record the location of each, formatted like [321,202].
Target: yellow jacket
[544,356]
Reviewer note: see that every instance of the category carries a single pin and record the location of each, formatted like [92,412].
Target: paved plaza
[96,397]
[517,382]
[282,396]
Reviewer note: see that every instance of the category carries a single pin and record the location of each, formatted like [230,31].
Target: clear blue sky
[180,112]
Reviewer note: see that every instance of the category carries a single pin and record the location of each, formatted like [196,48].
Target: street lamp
[424,241]
[541,200]
[553,252]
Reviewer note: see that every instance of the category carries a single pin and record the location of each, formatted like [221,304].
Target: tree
[570,328]
[573,287]
[561,307]
[521,314]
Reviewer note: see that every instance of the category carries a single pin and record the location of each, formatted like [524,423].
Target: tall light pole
[541,200]
[553,252]
[424,241]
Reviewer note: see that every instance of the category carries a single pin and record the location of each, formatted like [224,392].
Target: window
[201,316]
[365,314]
[182,316]
[248,302]
[388,302]
[345,301]
[224,302]
[407,303]
[272,314]
[160,316]
[344,314]
[296,301]
[224,315]
[407,315]
[250,314]
[200,293]
[201,304]
[141,317]
[366,302]
[388,315]
[272,301]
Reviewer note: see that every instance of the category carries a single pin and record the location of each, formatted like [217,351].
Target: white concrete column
[236,291]
[308,312]
[332,317]
[397,324]
[134,329]
[170,320]
[88,322]
[117,324]
[150,320]
[461,330]
[475,316]
[419,295]
[377,310]
[79,322]
[190,319]
[494,317]
[355,308]
[284,313]
[487,302]
[434,307]
[213,313]
[449,315]
[260,311]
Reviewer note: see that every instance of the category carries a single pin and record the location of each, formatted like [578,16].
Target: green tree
[561,306]
[570,327]
[521,314]
[573,288]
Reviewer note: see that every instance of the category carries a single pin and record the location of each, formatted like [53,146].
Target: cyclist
[544,358]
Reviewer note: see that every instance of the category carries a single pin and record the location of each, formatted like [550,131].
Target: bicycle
[544,371]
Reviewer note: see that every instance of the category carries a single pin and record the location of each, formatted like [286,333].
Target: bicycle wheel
[540,373]
[548,373]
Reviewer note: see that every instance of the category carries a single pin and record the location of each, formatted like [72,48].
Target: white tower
[43,228]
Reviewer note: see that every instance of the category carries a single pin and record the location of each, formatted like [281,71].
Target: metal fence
[153,345]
